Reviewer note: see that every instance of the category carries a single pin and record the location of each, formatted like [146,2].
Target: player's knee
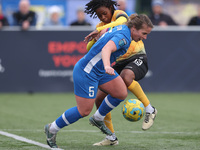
[124,95]
[85,112]
[121,95]
[127,78]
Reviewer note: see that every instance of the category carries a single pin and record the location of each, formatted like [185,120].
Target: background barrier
[43,60]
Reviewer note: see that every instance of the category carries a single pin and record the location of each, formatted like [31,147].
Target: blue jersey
[89,71]
[120,35]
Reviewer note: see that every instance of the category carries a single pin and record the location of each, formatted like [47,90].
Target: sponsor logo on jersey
[119,27]
[122,42]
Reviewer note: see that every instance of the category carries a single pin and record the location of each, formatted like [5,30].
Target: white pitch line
[96,131]
[23,139]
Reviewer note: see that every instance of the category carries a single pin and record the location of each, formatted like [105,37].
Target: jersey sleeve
[119,21]
[120,13]
[100,24]
[120,41]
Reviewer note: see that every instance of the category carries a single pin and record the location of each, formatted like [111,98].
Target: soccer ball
[133,110]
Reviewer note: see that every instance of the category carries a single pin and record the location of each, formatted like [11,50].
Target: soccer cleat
[106,142]
[51,138]
[100,125]
[149,120]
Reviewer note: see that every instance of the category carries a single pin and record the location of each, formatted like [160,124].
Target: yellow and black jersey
[120,17]
[134,48]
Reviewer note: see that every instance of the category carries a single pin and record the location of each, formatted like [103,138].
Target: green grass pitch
[177,125]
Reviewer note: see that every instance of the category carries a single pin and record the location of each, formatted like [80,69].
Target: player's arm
[109,48]
[119,21]
[93,41]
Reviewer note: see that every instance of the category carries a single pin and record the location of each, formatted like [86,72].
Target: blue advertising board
[43,61]
[39,61]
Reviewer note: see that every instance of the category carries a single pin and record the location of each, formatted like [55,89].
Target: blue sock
[68,117]
[108,104]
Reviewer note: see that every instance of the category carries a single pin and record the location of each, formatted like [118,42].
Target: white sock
[98,116]
[111,137]
[54,128]
[149,109]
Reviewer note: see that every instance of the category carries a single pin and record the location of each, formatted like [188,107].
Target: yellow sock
[108,122]
[136,89]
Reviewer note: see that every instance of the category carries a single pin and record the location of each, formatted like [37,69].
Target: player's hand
[101,33]
[91,36]
[109,70]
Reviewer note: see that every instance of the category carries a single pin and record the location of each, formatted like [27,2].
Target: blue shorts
[86,85]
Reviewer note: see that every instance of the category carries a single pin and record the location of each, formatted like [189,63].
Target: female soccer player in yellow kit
[132,66]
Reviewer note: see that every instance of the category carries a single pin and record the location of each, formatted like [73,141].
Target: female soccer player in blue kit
[94,71]
[132,66]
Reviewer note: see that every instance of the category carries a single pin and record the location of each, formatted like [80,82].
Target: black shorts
[137,63]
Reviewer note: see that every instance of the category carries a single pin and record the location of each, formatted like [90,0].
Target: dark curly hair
[94,4]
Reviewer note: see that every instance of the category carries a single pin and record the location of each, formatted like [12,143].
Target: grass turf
[177,125]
